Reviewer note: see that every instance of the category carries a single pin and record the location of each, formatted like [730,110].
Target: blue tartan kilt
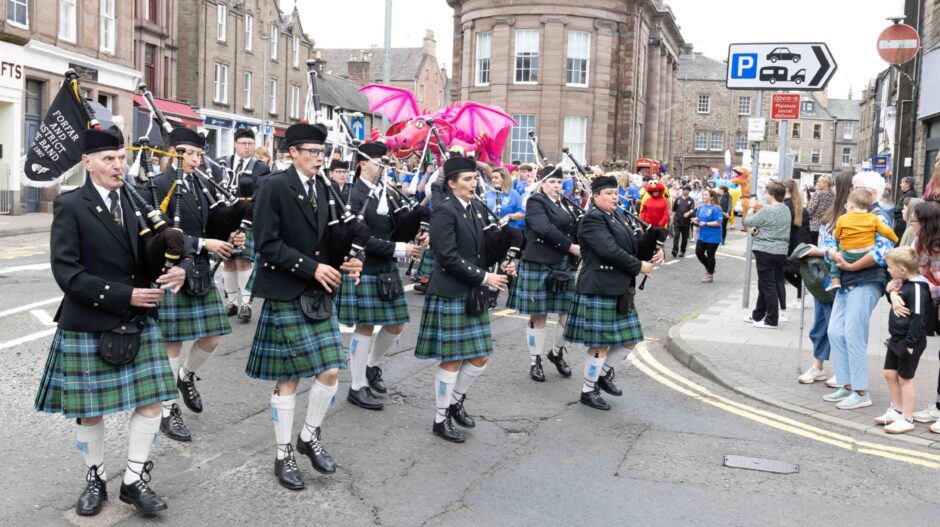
[593,321]
[427,263]
[78,383]
[360,304]
[448,333]
[529,294]
[248,253]
[185,317]
[288,345]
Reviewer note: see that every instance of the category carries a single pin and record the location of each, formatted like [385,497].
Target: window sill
[18,25]
[576,85]
[526,83]
[68,40]
[703,113]
[481,85]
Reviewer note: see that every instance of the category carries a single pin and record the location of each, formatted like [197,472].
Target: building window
[106,100]
[108,26]
[221,84]
[220,22]
[150,65]
[576,137]
[421,93]
[795,131]
[520,146]
[701,140]
[740,142]
[295,52]
[744,105]
[151,7]
[18,13]
[294,101]
[814,157]
[272,102]
[483,58]
[704,103]
[848,130]
[249,32]
[808,107]
[166,77]
[777,128]
[247,94]
[846,156]
[817,131]
[796,156]
[67,20]
[274,37]
[717,141]
[527,55]
[579,53]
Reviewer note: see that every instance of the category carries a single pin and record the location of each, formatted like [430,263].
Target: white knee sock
[196,358]
[615,356]
[243,276]
[230,278]
[465,377]
[380,346]
[592,370]
[559,336]
[89,439]
[320,398]
[535,340]
[282,415]
[175,368]
[358,357]
[443,391]
[140,437]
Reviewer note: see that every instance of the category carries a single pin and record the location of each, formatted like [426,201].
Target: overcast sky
[849,27]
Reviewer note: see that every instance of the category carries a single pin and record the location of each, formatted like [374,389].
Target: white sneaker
[900,426]
[796,305]
[935,428]
[854,401]
[763,325]
[812,375]
[832,382]
[927,415]
[782,316]
[888,417]
[749,318]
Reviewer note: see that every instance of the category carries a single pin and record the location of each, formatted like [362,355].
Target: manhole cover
[762,465]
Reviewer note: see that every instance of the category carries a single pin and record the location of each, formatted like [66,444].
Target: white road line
[43,317]
[409,287]
[27,338]
[28,307]
[32,267]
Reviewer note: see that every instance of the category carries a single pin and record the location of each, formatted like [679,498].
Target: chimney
[359,69]
[430,45]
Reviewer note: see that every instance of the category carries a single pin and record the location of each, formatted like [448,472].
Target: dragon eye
[419,124]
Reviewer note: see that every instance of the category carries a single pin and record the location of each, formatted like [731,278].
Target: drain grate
[762,465]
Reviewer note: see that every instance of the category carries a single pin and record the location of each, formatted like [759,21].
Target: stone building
[597,76]
[926,99]
[40,40]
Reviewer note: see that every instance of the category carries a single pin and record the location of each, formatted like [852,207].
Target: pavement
[32,223]
[764,364]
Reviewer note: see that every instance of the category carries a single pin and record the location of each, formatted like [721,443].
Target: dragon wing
[474,119]
[398,104]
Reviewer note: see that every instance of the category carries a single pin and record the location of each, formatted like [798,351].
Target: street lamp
[264,89]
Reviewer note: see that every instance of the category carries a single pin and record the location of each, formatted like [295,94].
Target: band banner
[57,146]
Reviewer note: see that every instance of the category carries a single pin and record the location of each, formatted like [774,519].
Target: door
[33,118]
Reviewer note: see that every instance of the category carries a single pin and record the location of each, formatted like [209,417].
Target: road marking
[28,307]
[409,287]
[726,255]
[43,317]
[644,361]
[27,338]
[11,254]
[670,262]
[18,268]
[509,313]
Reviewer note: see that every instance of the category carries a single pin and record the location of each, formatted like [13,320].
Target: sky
[849,27]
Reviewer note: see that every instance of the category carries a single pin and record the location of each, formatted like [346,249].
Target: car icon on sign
[799,77]
[773,74]
[782,54]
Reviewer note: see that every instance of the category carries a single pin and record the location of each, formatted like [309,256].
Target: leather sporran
[557,282]
[199,281]
[316,304]
[390,287]
[477,301]
[120,345]
[625,302]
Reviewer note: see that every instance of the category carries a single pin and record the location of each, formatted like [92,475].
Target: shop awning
[174,111]
[279,131]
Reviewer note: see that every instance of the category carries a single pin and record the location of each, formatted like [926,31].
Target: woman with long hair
[708,219]
[799,229]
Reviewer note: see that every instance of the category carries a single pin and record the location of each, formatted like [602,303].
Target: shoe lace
[176,416]
[610,375]
[560,352]
[190,383]
[93,477]
[290,463]
[144,475]
[378,373]
[458,404]
[315,445]
[538,361]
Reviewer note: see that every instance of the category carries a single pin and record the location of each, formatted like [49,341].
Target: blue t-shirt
[708,233]
[510,203]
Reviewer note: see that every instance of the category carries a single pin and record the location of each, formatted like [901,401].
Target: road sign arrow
[824,66]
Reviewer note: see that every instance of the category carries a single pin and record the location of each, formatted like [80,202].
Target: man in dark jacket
[682,209]
[907,191]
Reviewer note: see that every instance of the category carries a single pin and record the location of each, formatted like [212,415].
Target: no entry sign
[898,43]
[785,106]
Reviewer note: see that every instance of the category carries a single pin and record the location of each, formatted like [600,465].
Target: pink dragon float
[468,125]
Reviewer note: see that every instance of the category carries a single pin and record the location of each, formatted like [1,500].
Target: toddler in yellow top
[855,231]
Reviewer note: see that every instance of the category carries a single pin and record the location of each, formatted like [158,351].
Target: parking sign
[779,66]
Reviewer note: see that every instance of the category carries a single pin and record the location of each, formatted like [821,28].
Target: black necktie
[238,168]
[312,193]
[189,182]
[115,208]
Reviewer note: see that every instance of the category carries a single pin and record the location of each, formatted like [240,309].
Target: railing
[6,194]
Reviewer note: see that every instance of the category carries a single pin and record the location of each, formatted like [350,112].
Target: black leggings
[724,230]
[705,251]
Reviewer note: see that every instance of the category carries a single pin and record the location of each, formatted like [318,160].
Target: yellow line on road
[510,313]
[726,255]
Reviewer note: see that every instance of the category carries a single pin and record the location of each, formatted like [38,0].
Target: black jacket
[291,237]
[255,170]
[96,263]
[608,247]
[913,329]
[194,208]
[680,206]
[380,251]
[549,230]
[458,248]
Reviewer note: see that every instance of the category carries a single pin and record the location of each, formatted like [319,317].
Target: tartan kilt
[288,345]
[427,263]
[185,317]
[248,253]
[78,383]
[530,296]
[447,333]
[593,321]
[360,304]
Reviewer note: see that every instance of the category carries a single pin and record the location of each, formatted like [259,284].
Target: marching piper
[298,333]
[455,323]
[98,261]
[603,314]
[338,171]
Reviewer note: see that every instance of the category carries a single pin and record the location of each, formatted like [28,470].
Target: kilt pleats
[360,304]
[530,296]
[593,321]
[447,333]
[184,317]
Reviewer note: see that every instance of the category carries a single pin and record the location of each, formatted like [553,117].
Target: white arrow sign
[359,128]
[779,66]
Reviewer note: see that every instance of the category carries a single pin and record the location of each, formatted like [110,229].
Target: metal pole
[264,98]
[755,163]
[387,61]
[782,150]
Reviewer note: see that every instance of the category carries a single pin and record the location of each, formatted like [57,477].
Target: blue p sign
[744,66]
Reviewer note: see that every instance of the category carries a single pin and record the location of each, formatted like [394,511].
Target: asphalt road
[536,456]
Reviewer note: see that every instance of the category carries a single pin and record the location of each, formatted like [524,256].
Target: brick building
[40,40]
[926,99]
[597,76]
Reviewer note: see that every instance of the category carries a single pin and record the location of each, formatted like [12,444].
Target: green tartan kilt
[360,304]
[251,277]
[288,345]
[426,265]
[78,383]
[447,333]
[248,253]
[185,317]
[529,294]
[593,321]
